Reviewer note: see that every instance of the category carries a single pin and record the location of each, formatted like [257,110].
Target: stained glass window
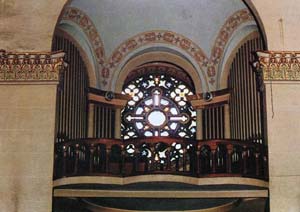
[158,107]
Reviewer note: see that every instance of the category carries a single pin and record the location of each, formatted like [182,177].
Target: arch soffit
[227,63]
[109,64]
[84,51]
[139,60]
[231,48]
[86,24]
[261,26]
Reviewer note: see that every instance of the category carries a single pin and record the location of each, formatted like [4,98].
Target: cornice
[31,66]
[279,65]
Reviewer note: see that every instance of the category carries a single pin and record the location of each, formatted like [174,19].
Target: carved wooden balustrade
[160,155]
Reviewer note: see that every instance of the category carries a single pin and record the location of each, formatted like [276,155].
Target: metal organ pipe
[72,99]
[245,103]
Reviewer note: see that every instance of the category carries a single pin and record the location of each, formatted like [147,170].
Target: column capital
[278,65]
[31,66]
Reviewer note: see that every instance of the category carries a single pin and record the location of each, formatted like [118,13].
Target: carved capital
[31,67]
[278,66]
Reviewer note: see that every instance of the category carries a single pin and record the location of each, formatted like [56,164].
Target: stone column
[28,89]
[279,76]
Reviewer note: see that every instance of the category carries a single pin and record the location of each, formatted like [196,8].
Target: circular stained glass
[158,107]
[157,118]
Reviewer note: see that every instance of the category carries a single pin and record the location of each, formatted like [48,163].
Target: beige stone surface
[28,25]
[160,178]
[273,13]
[27,112]
[26,147]
[283,139]
[285,194]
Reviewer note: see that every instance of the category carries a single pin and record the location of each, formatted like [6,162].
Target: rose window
[158,107]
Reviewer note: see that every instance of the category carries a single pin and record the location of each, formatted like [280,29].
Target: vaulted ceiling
[112,32]
[119,20]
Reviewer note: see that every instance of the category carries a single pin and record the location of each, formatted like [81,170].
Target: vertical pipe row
[213,123]
[104,117]
[245,103]
[72,100]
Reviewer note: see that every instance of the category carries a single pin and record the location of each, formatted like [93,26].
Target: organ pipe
[72,98]
[246,105]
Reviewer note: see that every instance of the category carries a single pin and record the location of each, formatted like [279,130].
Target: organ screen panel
[71,122]
[246,103]
[104,121]
[213,123]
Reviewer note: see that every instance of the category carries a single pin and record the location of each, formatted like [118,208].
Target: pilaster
[28,89]
[279,74]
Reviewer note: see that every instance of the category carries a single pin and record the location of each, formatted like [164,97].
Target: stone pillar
[118,123]
[280,73]
[28,88]
[91,121]
[227,121]
[199,122]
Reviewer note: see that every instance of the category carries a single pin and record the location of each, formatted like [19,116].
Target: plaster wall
[28,25]
[280,20]
[283,143]
[28,111]
[27,120]
[119,20]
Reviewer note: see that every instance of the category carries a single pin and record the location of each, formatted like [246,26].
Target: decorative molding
[160,178]
[108,65]
[162,68]
[88,27]
[37,66]
[158,36]
[278,66]
[231,24]
[176,194]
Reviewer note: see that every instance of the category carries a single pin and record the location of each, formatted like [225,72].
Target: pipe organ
[246,105]
[213,123]
[72,97]
[104,121]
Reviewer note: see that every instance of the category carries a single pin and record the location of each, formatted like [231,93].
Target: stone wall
[28,86]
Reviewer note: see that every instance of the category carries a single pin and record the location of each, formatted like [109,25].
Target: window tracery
[158,107]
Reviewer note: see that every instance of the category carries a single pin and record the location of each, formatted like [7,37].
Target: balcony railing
[161,155]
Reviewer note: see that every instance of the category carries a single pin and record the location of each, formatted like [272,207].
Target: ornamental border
[109,64]
[279,65]
[31,66]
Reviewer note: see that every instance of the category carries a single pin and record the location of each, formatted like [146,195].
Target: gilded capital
[31,67]
[279,66]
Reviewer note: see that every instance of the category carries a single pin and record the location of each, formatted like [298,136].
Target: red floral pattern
[161,36]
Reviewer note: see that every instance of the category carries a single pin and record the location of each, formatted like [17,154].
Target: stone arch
[210,65]
[251,6]
[230,26]
[89,62]
[246,32]
[156,38]
[108,65]
[85,23]
[157,56]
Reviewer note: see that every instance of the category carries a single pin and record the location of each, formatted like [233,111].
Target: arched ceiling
[118,20]
[115,31]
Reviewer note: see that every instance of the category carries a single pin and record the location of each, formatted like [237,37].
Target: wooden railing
[162,155]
